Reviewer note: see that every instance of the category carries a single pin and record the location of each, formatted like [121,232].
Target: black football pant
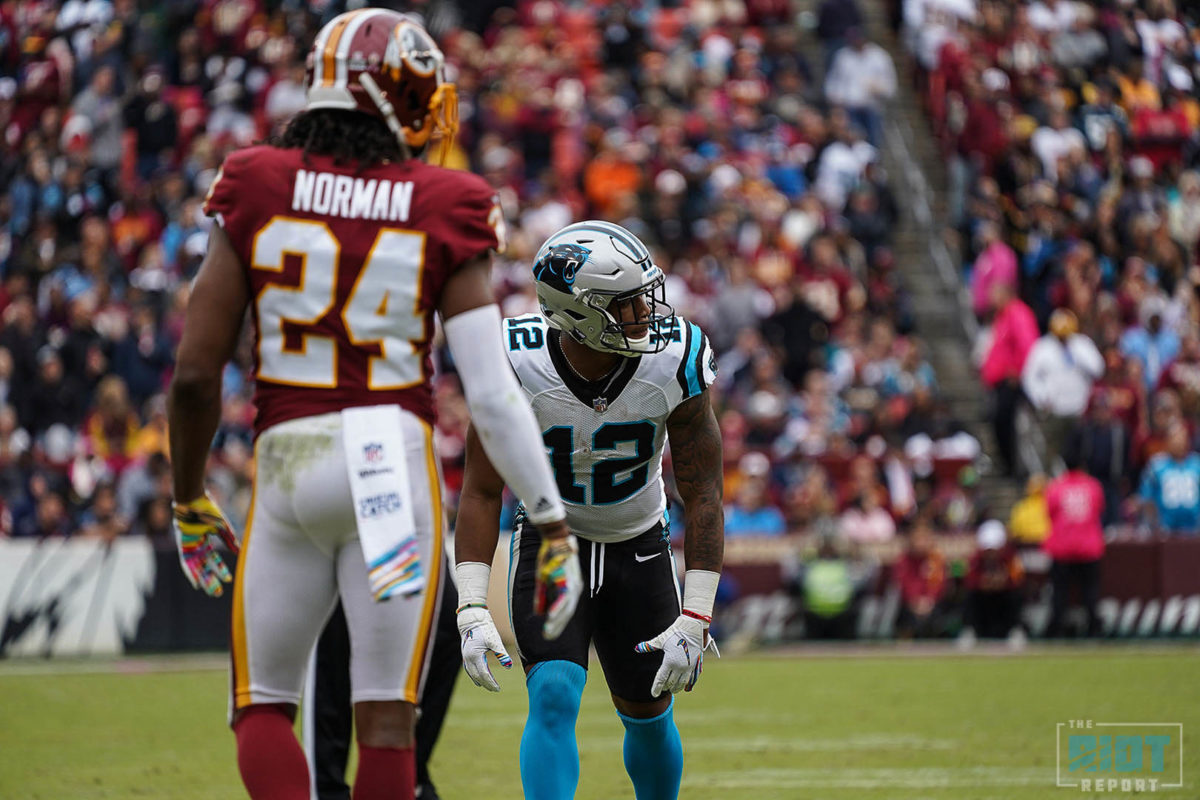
[993,615]
[1083,575]
[329,718]
[1006,401]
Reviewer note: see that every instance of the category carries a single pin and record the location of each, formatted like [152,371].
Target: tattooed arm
[696,455]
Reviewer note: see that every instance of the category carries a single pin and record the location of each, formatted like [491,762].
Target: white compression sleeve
[500,413]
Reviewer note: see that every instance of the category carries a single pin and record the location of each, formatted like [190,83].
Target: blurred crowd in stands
[1072,134]
[753,172]
[700,127]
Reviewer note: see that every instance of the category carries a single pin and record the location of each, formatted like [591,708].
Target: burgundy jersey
[346,269]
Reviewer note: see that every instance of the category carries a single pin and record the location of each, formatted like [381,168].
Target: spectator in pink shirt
[1014,330]
[996,264]
[1075,503]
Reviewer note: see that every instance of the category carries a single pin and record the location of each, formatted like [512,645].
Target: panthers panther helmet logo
[557,268]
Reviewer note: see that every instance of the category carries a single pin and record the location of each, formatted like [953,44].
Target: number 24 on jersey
[383,307]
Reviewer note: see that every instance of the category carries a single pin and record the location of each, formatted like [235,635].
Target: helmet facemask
[652,325]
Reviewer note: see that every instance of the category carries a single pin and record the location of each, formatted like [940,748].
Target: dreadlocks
[346,136]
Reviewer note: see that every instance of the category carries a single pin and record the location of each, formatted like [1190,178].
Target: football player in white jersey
[611,373]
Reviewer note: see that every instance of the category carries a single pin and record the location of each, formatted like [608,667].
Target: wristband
[694,615]
[472,578]
[700,592]
[465,606]
[178,507]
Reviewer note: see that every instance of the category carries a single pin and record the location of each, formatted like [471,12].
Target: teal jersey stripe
[689,365]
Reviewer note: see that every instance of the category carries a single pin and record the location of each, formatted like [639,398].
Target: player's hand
[197,524]
[682,646]
[558,583]
[480,637]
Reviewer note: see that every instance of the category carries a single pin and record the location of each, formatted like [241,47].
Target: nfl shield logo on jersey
[373,452]
[600,404]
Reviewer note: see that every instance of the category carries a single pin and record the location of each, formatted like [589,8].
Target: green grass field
[895,725]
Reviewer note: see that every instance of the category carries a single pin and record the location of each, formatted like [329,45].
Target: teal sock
[654,755]
[549,754]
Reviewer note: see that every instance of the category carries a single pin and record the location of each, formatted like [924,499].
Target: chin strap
[443,115]
[385,107]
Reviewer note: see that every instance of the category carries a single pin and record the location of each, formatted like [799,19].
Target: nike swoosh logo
[640,559]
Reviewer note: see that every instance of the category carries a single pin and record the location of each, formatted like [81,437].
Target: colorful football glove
[197,524]
[559,583]
[682,646]
[480,637]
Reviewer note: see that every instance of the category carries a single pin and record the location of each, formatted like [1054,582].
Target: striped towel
[375,457]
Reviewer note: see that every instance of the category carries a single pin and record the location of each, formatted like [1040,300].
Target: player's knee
[285,710]
[642,710]
[556,700]
[555,690]
[384,723]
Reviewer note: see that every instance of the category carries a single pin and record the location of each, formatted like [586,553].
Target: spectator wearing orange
[922,577]
[152,437]
[1137,91]
[111,430]
[610,176]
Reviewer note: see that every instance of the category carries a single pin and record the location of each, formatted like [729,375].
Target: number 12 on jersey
[605,488]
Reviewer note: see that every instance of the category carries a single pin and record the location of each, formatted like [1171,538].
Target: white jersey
[605,438]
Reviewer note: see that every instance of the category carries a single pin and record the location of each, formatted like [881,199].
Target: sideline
[216,662]
[126,665]
[998,649]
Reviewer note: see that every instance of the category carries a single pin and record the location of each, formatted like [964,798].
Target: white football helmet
[583,269]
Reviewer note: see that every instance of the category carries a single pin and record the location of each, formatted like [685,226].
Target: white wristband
[472,578]
[700,591]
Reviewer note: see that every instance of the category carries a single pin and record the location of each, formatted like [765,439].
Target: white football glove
[682,646]
[480,637]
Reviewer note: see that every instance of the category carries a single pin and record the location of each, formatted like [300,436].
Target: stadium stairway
[925,257]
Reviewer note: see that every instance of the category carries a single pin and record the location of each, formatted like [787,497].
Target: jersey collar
[598,395]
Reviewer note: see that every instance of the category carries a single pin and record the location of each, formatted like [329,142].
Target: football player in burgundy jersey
[343,243]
